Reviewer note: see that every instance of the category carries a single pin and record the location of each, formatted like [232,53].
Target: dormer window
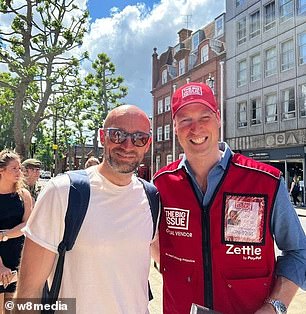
[219,26]
[195,41]
[164,76]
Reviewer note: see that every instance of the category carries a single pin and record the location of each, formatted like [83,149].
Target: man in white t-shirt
[107,270]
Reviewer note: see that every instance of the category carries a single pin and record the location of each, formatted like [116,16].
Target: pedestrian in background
[31,171]
[15,208]
[295,190]
[107,270]
[230,268]
[92,161]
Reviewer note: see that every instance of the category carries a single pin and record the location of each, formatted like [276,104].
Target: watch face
[280,307]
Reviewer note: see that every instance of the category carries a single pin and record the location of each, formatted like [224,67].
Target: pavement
[297,306]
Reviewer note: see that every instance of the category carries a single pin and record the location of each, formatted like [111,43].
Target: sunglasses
[118,136]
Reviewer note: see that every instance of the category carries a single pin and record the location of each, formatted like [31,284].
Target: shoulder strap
[79,195]
[153,198]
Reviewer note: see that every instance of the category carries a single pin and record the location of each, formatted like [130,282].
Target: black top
[11,213]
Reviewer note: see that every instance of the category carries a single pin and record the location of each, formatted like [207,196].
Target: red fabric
[242,272]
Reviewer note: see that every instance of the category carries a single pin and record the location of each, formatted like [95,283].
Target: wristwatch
[4,236]
[279,307]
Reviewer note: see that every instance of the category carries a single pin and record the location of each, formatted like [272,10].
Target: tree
[107,90]
[37,50]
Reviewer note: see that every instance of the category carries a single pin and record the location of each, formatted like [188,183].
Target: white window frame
[195,41]
[167,103]
[271,108]
[182,66]
[302,48]
[242,73]
[255,68]
[302,100]
[219,26]
[204,53]
[270,61]
[254,24]
[288,103]
[167,132]
[256,111]
[159,134]
[285,10]
[242,114]
[164,76]
[169,159]
[241,31]
[160,106]
[269,15]
[287,55]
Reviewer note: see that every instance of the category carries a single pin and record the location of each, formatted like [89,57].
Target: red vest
[220,256]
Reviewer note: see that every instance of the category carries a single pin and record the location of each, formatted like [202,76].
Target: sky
[127,31]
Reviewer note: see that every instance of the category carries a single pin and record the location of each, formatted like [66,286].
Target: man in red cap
[204,258]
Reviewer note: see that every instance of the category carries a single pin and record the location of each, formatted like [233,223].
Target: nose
[127,143]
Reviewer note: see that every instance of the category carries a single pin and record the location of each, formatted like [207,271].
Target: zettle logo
[177,218]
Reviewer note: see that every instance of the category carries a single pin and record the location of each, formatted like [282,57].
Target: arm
[155,250]
[290,238]
[36,265]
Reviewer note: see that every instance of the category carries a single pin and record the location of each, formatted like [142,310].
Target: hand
[5,275]
[266,309]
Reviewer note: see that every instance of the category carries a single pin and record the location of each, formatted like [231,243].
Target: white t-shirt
[107,269]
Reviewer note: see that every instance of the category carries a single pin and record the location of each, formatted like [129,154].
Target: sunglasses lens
[140,139]
[118,136]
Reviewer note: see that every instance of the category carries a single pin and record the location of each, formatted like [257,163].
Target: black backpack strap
[78,200]
[153,198]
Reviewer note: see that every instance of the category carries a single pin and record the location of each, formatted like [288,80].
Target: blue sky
[102,8]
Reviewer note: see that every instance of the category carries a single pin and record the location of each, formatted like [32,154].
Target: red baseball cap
[193,93]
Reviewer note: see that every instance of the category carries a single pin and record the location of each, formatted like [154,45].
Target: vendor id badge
[244,218]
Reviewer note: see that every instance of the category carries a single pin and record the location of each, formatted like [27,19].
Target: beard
[121,166]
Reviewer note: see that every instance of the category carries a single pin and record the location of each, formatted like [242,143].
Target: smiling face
[197,129]
[124,157]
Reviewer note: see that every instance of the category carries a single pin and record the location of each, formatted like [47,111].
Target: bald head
[127,117]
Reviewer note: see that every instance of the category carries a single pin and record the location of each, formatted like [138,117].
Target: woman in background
[15,208]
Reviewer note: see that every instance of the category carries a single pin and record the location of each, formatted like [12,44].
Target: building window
[167,132]
[157,163]
[302,48]
[255,68]
[182,67]
[219,26]
[255,24]
[204,54]
[160,106]
[271,108]
[239,2]
[287,55]
[167,103]
[285,10]
[195,40]
[159,134]
[302,100]
[169,159]
[241,31]
[270,61]
[269,15]
[164,76]
[242,73]
[301,6]
[255,111]
[288,103]
[242,114]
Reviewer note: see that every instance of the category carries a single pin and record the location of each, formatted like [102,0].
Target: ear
[218,116]
[102,135]
[148,144]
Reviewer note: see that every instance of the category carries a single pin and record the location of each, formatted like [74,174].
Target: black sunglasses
[118,136]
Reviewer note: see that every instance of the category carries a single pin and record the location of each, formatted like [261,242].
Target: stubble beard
[120,166]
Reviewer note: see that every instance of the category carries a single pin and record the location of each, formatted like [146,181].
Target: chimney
[184,33]
[155,68]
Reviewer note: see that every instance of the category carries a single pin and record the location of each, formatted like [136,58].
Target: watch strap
[279,306]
